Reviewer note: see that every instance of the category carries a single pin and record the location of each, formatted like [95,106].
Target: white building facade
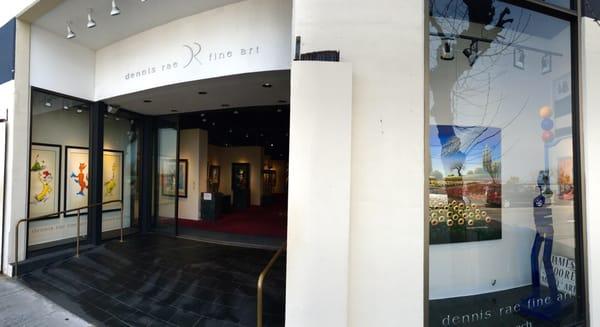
[430,102]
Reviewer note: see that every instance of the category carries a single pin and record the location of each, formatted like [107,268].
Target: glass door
[2,170]
[166,197]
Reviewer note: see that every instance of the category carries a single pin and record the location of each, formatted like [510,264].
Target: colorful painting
[214,178]
[566,189]
[76,178]
[44,179]
[112,175]
[168,180]
[465,190]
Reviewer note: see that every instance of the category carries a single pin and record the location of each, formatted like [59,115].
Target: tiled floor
[157,280]
[20,306]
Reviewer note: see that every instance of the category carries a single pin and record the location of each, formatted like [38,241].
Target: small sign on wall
[207,196]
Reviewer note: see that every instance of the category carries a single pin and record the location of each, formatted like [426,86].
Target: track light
[115,10]
[70,33]
[91,22]
[447,50]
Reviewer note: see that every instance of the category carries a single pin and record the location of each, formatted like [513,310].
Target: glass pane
[120,174]
[501,187]
[561,3]
[166,182]
[58,168]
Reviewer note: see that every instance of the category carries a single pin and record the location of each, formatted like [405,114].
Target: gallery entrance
[221,175]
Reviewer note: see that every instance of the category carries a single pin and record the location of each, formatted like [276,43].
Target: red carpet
[269,220]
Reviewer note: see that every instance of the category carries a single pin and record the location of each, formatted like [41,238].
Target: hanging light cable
[91,22]
[115,10]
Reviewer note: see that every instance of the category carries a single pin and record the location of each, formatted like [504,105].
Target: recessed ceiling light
[267,85]
[279,110]
[147,101]
[48,103]
[204,120]
[272,145]
[173,110]
[230,130]
[247,136]
[65,107]
[235,112]
[213,123]
[202,115]
[79,111]
[117,118]
[202,92]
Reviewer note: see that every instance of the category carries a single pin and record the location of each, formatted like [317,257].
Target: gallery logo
[194,52]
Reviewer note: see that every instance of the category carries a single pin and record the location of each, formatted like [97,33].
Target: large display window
[58,168]
[504,212]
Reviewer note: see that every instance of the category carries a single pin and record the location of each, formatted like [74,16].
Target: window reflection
[501,206]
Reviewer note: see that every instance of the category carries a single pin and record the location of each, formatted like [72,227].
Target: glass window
[503,247]
[561,3]
[120,173]
[58,168]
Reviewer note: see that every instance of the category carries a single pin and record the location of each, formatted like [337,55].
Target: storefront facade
[435,172]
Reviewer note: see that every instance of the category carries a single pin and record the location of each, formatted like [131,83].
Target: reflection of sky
[473,140]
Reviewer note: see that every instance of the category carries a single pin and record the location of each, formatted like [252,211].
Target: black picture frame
[66,176]
[59,180]
[122,177]
[184,179]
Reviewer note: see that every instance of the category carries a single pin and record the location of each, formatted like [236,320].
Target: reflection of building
[358,250]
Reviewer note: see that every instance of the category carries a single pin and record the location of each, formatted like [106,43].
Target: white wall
[190,146]
[253,35]
[7,102]
[60,65]
[383,39]
[319,195]
[10,9]
[225,156]
[591,121]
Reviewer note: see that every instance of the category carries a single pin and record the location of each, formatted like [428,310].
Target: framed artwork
[519,58]
[465,189]
[546,63]
[269,180]
[44,180]
[168,181]
[566,188]
[240,176]
[112,179]
[76,178]
[214,178]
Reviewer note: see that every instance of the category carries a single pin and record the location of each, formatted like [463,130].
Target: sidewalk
[20,306]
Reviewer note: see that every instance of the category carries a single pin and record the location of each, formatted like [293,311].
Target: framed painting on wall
[214,178]
[76,178]
[44,179]
[112,179]
[465,189]
[168,177]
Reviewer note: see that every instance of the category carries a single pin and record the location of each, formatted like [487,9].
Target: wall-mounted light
[447,49]
[267,85]
[48,103]
[70,33]
[115,10]
[91,22]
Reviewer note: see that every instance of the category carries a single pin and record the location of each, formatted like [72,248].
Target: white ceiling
[135,17]
[236,91]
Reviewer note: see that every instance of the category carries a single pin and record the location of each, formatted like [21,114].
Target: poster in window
[465,192]
[44,179]
[112,175]
[76,178]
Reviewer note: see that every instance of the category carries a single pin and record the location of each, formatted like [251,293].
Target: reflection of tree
[491,167]
[474,28]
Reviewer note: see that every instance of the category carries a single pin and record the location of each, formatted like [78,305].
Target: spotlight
[91,22]
[113,109]
[48,103]
[472,52]
[79,111]
[236,112]
[267,85]
[147,101]
[447,50]
[202,92]
[70,33]
[115,10]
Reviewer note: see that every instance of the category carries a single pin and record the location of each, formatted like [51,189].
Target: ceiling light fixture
[48,103]
[282,101]
[115,10]
[79,111]
[202,92]
[224,105]
[70,33]
[235,112]
[91,22]
[267,85]
[147,101]
[173,110]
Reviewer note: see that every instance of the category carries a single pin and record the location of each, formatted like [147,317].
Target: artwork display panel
[168,180]
[112,183]
[76,178]
[465,193]
[44,179]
